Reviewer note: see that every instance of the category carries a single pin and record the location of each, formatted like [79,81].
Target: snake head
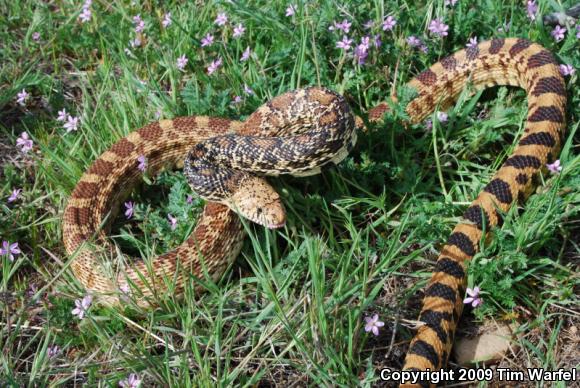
[257,201]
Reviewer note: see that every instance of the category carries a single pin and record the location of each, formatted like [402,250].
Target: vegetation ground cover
[361,239]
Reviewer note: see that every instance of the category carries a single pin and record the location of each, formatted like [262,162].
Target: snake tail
[515,62]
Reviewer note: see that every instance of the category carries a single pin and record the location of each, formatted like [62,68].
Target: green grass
[360,239]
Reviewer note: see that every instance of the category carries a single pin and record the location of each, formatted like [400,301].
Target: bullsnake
[218,236]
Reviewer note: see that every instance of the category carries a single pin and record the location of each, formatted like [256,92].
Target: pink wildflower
[10,250]
[53,351]
[290,10]
[361,51]
[344,43]
[555,167]
[142,163]
[62,115]
[129,209]
[365,41]
[532,9]
[135,42]
[472,43]
[125,289]
[71,123]
[567,70]
[344,26]
[389,23]
[207,40]
[166,20]
[373,324]
[21,97]
[24,142]
[133,381]
[85,15]
[14,196]
[413,41]
[437,27]
[239,30]
[558,33]
[473,298]
[361,54]
[82,306]
[181,62]
[139,23]
[172,221]
[221,19]
[214,65]
[442,117]
[246,54]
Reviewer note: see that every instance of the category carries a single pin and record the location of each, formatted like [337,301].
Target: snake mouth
[276,226]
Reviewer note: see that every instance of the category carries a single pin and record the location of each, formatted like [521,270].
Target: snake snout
[257,201]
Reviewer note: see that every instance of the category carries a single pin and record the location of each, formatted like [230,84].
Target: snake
[226,161]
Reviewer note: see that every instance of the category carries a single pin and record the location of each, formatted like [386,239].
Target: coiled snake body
[217,238]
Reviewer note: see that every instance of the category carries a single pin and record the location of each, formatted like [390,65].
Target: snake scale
[217,238]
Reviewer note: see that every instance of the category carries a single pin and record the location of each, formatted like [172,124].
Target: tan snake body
[217,238]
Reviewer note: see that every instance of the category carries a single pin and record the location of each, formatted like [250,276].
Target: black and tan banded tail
[516,62]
